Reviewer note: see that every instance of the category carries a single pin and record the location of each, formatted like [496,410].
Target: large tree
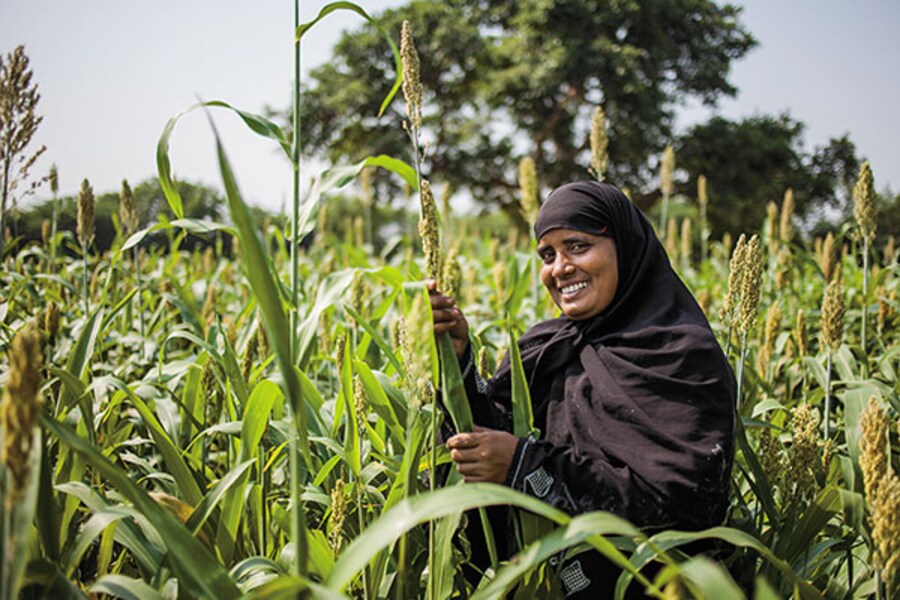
[507,79]
[750,162]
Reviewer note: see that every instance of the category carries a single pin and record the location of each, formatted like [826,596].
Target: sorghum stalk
[85,232]
[864,211]
[666,171]
[298,520]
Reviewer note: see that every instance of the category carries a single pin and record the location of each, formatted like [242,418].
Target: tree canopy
[508,79]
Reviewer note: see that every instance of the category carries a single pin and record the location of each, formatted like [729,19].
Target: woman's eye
[546,257]
[578,247]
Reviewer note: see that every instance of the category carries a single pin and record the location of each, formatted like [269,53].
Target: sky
[112,73]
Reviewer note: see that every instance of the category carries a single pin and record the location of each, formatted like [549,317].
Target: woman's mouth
[573,287]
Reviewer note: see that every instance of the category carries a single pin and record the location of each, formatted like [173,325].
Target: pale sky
[111,73]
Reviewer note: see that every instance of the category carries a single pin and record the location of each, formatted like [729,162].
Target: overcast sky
[111,73]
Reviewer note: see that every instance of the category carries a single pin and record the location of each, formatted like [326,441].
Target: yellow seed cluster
[429,233]
[882,488]
[751,283]
[51,320]
[772,227]
[451,274]
[412,85]
[500,273]
[864,202]
[528,188]
[417,335]
[787,217]
[360,405]
[337,517]
[667,171]
[45,230]
[85,220]
[702,195]
[262,340]
[599,144]
[803,455]
[672,239]
[21,407]
[735,272]
[770,334]
[890,252]
[128,213]
[770,456]
[801,337]
[209,305]
[832,316]
[687,239]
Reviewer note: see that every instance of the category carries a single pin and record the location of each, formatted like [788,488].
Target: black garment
[636,406]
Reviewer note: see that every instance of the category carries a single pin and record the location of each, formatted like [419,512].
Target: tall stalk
[297,529]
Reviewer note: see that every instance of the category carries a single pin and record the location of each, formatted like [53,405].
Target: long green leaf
[398,63]
[127,588]
[201,575]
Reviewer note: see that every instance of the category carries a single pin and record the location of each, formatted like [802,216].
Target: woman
[632,393]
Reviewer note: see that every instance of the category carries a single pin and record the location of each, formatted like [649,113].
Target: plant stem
[295,158]
[84,278]
[740,369]
[137,270]
[865,306]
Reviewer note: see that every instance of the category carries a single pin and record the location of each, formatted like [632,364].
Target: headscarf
[641,396]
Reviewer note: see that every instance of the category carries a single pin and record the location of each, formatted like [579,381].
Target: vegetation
[181,422]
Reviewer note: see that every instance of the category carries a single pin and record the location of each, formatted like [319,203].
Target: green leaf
[387,529]
[398,63]
[201,575]
[523,418]
[256,123]
[127,588]
[453,390]
[171,454]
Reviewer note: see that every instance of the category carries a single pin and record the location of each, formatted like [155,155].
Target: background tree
[750,162]
[18,123]
[506,79]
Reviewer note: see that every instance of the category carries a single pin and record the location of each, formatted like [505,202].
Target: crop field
[259,417]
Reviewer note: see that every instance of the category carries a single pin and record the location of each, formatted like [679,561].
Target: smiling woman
[633,393]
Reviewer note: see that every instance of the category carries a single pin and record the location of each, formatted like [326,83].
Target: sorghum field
[260,417]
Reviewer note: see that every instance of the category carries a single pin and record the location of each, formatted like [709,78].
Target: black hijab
[641,395]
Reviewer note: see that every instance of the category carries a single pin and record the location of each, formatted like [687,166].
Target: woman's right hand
[448,318]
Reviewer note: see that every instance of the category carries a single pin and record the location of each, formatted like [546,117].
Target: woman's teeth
[574,287]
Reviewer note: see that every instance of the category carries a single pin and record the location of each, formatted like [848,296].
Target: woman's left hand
[483,455]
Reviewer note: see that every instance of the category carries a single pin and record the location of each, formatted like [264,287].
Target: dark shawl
[636,406]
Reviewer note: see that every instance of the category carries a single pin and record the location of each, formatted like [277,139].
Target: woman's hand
[448,318]
[483,455]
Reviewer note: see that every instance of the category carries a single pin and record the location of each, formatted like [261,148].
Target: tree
[750,162]
[18,123]
[506,79]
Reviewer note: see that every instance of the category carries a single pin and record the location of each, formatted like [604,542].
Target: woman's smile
[580,270]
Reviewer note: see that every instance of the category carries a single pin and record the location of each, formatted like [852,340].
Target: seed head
[85,220]
[735,272]
[770,334]
[889,252]
[667,170]
[21,407]
[45,230]
[209,305]
[128,213]
[451,274]
[418,333]
[340,351]
[686,240]
[787,216]
[54,180]
[599,144]
[771,226]
[360,405]
[528,187]
[672,238]
[51,320]
[864,203]
[262,340]
[412,85]
[885,310]
[338,514]
[483,367]
[770,456]
[702,196]
[751,283]
[704,299]
[833,315]
[882,487]
[429,233]
[500,273]
[801,337]
[249,355]
[828,257]
[803,454]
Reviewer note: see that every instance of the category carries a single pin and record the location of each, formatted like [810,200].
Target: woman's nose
[562,266]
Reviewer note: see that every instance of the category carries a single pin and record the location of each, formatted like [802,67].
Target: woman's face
[580,270]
